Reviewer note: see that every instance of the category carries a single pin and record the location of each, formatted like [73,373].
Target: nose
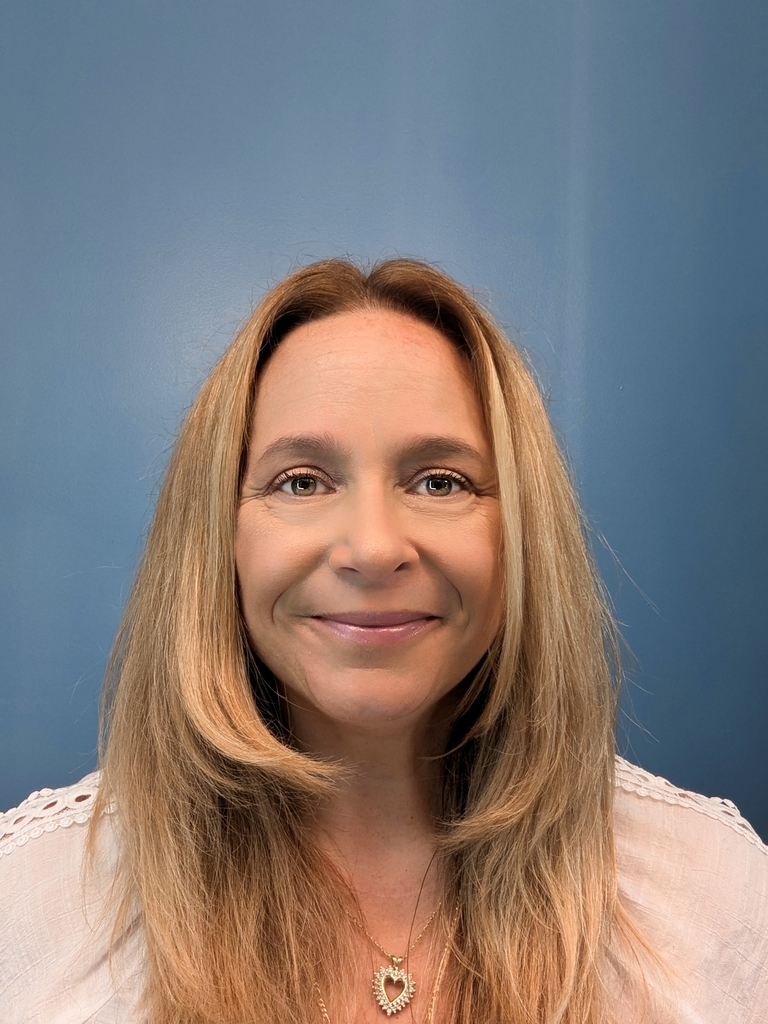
[372,542]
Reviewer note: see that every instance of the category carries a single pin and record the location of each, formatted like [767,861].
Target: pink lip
[380,629]
[375,618]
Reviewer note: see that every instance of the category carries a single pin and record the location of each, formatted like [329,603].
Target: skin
[367,553]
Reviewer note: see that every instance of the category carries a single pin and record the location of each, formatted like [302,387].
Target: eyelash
[443,474]
[421,476]
[298,474]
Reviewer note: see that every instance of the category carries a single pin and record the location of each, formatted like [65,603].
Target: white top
[692,872]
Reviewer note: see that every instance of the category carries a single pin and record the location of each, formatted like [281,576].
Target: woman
[359,754]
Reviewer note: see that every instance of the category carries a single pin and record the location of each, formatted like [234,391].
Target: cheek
[261,569]
[270,560]
[481,582]
[471,561]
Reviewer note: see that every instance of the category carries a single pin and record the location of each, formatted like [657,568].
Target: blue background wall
[597,169]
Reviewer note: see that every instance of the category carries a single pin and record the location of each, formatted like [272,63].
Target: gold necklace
[395,973]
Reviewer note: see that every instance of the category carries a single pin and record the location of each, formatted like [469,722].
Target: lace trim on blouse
[633,779]
[45,810]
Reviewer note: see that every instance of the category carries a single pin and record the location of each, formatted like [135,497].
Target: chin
[371,698]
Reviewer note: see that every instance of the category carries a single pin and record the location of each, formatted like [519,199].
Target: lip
[376,619]
[378,629]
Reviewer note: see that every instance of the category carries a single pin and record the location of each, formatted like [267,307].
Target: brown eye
[439,486]
[303,485]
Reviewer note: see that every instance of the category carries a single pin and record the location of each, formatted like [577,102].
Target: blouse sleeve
[55,933]
[694,876]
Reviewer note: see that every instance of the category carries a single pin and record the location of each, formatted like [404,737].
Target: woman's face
[368,537]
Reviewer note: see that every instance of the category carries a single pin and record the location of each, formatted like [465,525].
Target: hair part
[213,797]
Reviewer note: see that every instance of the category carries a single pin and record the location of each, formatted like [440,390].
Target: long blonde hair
[241,916]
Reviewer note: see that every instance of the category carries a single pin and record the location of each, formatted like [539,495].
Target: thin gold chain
[378,945]
[321,1001]
[440,970]
[438,977]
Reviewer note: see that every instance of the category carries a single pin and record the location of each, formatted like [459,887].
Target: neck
[379,826]
[378,830]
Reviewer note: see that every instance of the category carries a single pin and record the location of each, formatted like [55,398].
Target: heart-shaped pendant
[397,976]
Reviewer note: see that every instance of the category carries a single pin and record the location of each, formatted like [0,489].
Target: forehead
[367,362]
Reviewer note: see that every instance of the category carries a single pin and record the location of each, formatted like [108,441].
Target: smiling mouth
[376,628]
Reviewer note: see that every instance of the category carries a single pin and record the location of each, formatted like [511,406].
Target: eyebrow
[438,446]
[298,445]
[413,449]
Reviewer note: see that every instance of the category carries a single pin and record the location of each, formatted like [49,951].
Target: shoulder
[640,783]
[686,838]
[47,810]
[693,873]
[53,902]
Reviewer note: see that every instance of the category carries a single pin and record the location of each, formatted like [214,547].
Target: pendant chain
[394,959]
[443,963]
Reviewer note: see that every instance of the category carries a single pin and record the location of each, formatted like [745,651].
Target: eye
[300,484]
[441,485]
